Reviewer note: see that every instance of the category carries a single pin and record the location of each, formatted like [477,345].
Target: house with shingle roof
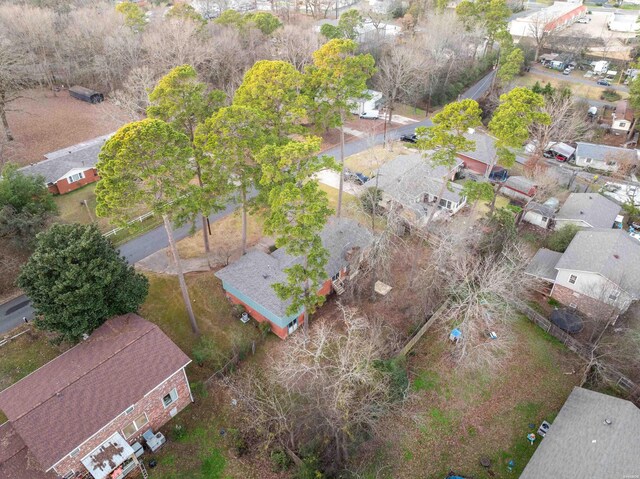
[249,281]
[78,415]
[70,168]
[604,157]
[593,436]
[409,182]
[587,210]
[598,274]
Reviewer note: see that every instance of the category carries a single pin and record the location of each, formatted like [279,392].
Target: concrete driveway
[332,178]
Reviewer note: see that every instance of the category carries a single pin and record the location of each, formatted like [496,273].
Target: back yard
[455,416]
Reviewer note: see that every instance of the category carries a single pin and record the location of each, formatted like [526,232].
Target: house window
[614,295]
[292,326]
[70,474]
[587,160]
[76,177]
[75,452]
[129,410]
[623,124]
[545,219]
[335,276]
[573,305]
[135,426]
[611,163]
[572,279]
[170,398]
[445,203]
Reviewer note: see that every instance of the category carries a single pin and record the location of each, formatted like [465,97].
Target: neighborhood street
[13,312]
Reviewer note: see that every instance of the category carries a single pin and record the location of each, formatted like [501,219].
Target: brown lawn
[42,123]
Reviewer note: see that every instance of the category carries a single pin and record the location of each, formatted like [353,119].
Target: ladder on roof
[143,469]
[338,286]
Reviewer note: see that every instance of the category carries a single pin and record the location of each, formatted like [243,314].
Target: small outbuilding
[86,94]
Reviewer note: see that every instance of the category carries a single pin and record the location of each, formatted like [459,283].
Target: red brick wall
[63,186]
[151,405]
[474,165]
[585,304]
[565,19]
[282,333]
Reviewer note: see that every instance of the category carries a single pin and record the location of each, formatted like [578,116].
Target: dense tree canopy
[76,280]
[25,205]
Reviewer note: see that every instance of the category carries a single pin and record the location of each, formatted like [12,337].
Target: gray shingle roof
[255,273]
[561,148]
[592,208]
[543,264]
[544,210]
[407,177]
[580,445]
[485,147]
[59,163]
[519,183]
[610,252]
[604,152]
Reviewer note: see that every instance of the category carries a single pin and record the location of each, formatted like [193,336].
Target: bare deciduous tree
[568,123]
[480,287]
[399,74]
[13,78]
[326,388]
[295,44]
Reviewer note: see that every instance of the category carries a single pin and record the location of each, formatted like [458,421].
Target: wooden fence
[7,340]
[584,351]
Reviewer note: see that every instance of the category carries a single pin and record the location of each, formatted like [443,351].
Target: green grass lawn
[456,415]
[71,209]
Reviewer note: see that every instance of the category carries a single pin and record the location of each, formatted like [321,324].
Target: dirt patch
[42,122]
[331,138]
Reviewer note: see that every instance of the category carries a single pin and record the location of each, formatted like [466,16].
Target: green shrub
[396,370]
[310,469]
[265,329]
[178,432]
[610,95]
[203,351]
[280,461]
[554,302]
[559,240]
[199,389]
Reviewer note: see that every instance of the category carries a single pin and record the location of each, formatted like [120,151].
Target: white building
[603,157]
[619,22]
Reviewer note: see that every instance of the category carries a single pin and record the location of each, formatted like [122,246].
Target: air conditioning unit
[154,441]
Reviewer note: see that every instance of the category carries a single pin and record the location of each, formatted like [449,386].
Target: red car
[561,158]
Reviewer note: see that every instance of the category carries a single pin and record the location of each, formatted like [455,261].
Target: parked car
[549,154]
[355,177]
[566,71]
[370,115]
[560,157]
[584,20]
[604,82]
[413,138]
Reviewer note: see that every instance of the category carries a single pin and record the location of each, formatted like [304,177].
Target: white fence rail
[139,219]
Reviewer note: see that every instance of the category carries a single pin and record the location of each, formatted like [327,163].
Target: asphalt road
[13,312]
[573,78]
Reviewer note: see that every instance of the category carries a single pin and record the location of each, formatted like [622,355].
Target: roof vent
[85,336]
[582,212]
[608,422]
[616,256]
[265,276]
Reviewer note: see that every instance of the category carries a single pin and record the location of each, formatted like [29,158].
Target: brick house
[598,274]
[77,416]
[249,280]
[70,168]
[480,159]
[587,210]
